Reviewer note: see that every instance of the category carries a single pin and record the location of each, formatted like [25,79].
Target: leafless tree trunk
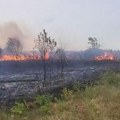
[44,67]
[61,56]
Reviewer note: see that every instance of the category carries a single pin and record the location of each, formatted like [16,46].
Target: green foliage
[67,94]
[44,103]
[111,78]
[79,86]
[43,100]
[18,108]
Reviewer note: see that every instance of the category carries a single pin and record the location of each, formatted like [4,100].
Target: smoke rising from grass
[14,30]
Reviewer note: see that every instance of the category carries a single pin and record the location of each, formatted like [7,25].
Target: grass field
[96,102]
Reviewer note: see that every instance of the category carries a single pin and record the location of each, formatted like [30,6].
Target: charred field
[73,103]
[35,67]
[24,79]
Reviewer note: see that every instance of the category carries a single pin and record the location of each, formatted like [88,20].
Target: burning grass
[96,102]
[106,56]
[22,57]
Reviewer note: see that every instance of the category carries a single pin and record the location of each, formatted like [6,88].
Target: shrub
[43,100]
[67,94]
[44,103]
[79,86]
[18,108]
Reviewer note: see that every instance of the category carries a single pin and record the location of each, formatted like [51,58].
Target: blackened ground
[24,79]
[32,70]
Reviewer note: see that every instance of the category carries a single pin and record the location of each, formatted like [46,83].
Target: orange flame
[18,58]
[22,57]
[106,56]
[47,56]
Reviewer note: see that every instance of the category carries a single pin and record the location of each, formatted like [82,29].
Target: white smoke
[12,29]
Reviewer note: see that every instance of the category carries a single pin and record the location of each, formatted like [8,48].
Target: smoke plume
[13,30]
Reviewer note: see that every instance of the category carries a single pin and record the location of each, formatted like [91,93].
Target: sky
[70,22]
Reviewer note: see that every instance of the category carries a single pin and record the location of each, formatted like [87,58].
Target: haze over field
[69,21]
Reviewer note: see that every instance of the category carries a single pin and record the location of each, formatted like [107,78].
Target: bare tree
[14,46]
[44,45]
[93,42]
[61,58]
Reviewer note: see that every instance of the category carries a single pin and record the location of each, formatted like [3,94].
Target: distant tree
[93,42]
[14,46]
[61,59]
[44,45]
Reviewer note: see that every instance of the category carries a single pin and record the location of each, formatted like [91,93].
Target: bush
[18,108]
[67,94]
[43,100]
[44,104]
[79,86]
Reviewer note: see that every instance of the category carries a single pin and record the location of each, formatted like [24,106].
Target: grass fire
[48,74]
[22,57]
[106,56]
[59,60]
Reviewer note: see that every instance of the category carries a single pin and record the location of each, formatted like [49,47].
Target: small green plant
[67,94]
[43,100]
[44,103]
[79,86]
[18,108]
